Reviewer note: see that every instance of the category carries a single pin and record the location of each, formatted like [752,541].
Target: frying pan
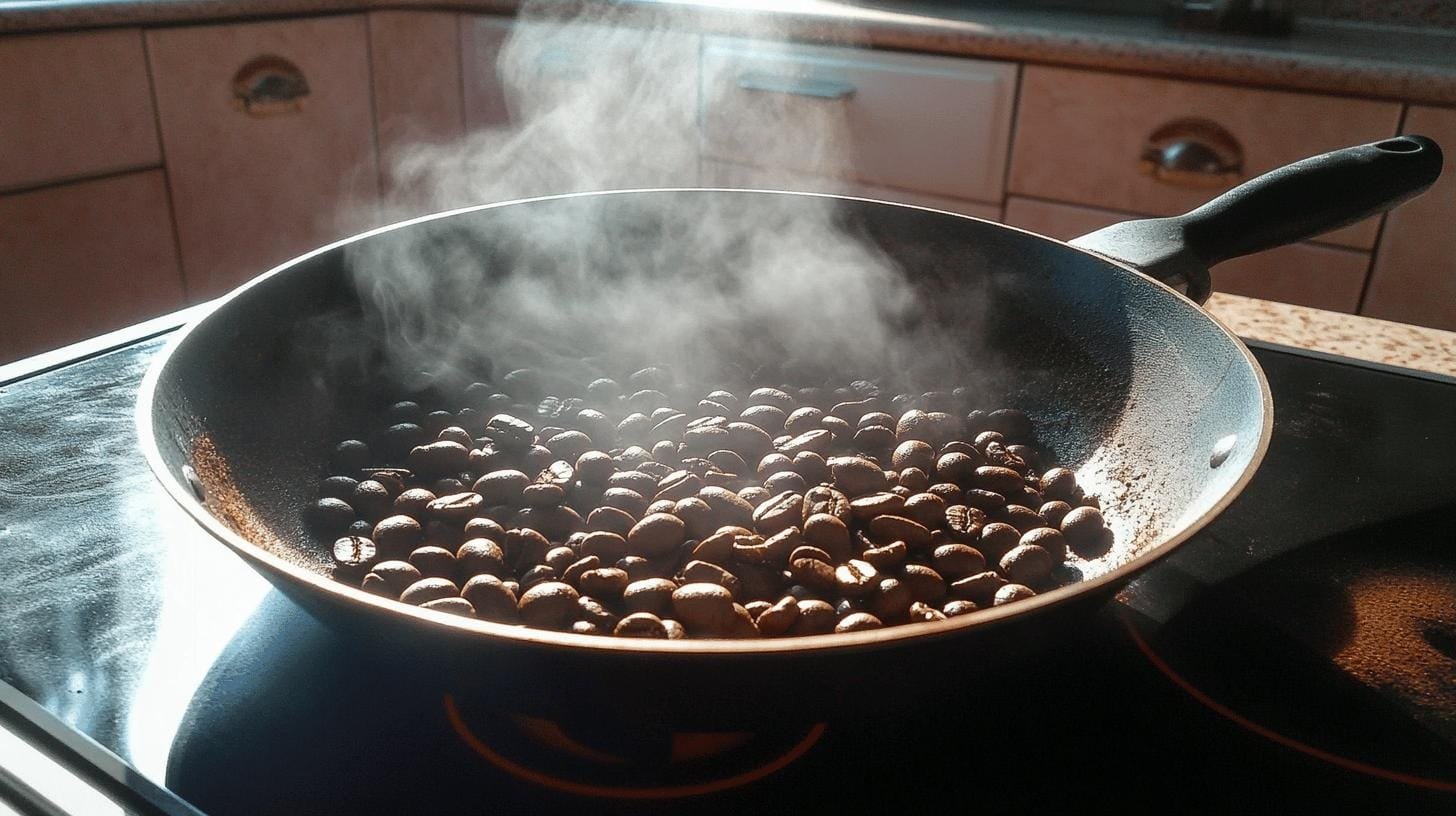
[1160,409]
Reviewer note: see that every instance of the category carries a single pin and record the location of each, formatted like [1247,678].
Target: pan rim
[486,632]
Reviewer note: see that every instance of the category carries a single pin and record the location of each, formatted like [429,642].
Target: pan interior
[1129,384]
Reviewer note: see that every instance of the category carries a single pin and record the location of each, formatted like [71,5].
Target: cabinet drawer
[1080,136]
[1414,280]
[253,186]
[726,174]
[936,125]
[415,65]
[1307,274]
[81,259]
[74,105]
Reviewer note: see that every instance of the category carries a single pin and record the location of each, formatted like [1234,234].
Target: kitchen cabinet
[1082,136]
[1323,277]
[415,68]
[80,259]
[937,126]
[74,105]
[561,107]
[1414,279]
[268,140]
[728,174]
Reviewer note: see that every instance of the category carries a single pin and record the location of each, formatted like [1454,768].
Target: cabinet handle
[1192,153]
[268,86]
[798,86]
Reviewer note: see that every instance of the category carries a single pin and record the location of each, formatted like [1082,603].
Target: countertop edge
[1232,60]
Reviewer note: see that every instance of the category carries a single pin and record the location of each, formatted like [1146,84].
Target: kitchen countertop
[1326,56]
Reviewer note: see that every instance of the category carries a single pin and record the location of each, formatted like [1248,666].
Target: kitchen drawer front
[80,259]
[74,105]
[1080,136]
[481,40]
[936,125]
[1414,280]
[254,185]
[415,66]
[727,174]
[1307,274]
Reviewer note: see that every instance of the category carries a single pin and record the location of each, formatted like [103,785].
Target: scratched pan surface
[1164,414]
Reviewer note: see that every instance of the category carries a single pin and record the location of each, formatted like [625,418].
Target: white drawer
[936,125]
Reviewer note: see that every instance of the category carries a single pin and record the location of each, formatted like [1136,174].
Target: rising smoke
[711,284]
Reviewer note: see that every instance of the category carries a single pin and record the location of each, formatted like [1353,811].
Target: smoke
[711,284]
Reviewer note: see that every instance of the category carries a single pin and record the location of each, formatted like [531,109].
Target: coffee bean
[625,499]
[537,574]
[558,558]
[1012,593]
[1011,423]
[1082,528]
[887,528]
[874,438]
[829,534]
[438,459]
[434,562]
[1060,484]
[872,505]
[548,605]
[452,606]
[649,595]
[998,480]
[1022,518]
[754,495]
[858,622]
[728,462]
[428,589]
[780,512]
[501,487]
[890,600]
[604,582]
[887,557]
[856,475]
[592,610]
[641,625]
[768,418]
[984,500]
[1048,539]
[415,503]
[397,535]
[958,607]
[923,613]
[728,507]
[704,572]
[856,578]
[354,554]
[815,441]
[824,499]
[925,584]
[491,598]
[997,539]
[330,517]
[778,618]
[813,572]
[958,560]
[705,608]
[350,456]
[980,588]
[509,432]
[656,534]
[609,519]
[338,487]
[1054,512]
[485,528]
[573,571]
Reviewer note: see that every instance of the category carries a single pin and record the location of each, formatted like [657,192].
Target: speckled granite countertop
[1333,57]
[1363,338]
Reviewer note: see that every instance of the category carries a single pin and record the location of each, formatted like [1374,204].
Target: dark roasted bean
[891,600]
[641,625]
[980,588]
[704,572]
[829,534]
[925,584]
[705,608]
[548,605]
[354,555]
[1027,564]
[1054,512]
[649,595]
[491,598]
[330,517]
[780,512]
[886,557]
[856,475]
[1083,528]
[1048,539]
[350,456]
[397,536]
[785,481]
[626,500]
[434,562]
[779,617]
[604,582]
[858,622]
[428,589]
[656,534]
[876,504]
[958,607]
[1012,593]
[856,578]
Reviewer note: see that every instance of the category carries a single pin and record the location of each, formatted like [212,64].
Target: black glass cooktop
[1299,655]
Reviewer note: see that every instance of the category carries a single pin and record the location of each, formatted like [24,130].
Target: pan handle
[1294,202]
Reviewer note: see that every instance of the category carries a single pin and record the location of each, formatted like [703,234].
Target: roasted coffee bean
[728,507]
[779,617]
[1054,512]
[775,549]
[438,459]
[452,606]
[856,578]
[890,600]
[780,512]
[604,582]
[871,505]
[537,574]
[433,561]
[1024,519]
[456,508]
[1012,593]
[678,484]
[1083,528]
[772,396]
[607,546]
[813,573]
[491,599]
[705,608]
[354,554]
[887,557]
[958,607]
[556,522]
[728,462]
[718,547]
[371,500]
[641,625]
[704,572]
[398,439]
[350,456]
[1048,539]
[586,627]
[874,438]
[609,519]
[785,481]
[811,466]
[429,589]
[999,480]
[949,492]
[987,437]
[397,575]
[984,500]
[485,528]
[558,558]
[509,432]
[748,440]
[656,534]
[415,503]
[852,410]
[1011,423]
[754,495]
[625,499]
[338,487]
[802,420]
[593,610]
[958,560]
[501,487]
[858,622]
[639,482]
[768,418]
[956,467]
[924,613]
[543,495]
[573,571]
[856,475]
[330,517]
[523,384]
[1027,564]
[828,533]
[397,536]
[569,445]
[661,506]
[525,545]
[979,588]
[549,605]
[887,528]
[925,584]
[637,567]
[1060,484]
[649,595]
[815,617]
[913,454]
[997,539]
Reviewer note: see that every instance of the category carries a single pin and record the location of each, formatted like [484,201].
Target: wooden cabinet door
[82,259]
[415,66]
[1415,268]
[257,182]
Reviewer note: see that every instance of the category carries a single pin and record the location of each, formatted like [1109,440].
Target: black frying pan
[1161,410]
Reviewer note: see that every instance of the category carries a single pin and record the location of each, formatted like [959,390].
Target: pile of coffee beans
[643,508]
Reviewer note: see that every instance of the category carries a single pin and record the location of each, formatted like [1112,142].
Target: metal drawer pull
[1192,153]
[269,85]
[798,86]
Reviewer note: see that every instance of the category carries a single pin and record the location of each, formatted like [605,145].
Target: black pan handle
[1295,202]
